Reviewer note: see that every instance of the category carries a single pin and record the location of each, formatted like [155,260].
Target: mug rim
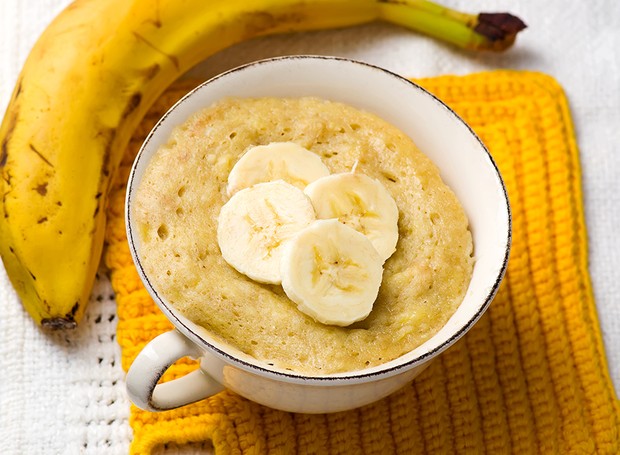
[292,376]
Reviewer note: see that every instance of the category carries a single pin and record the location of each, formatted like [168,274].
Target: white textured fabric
[64,394]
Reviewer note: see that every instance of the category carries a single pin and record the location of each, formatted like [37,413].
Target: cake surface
[184,187]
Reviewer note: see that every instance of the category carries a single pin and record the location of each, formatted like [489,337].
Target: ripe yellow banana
[87,83]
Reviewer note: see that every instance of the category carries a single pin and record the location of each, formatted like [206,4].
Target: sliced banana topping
[276,161]
[331,267]
[361,203]
[256,222]
[332,272]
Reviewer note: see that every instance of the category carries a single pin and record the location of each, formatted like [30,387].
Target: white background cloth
[65,394]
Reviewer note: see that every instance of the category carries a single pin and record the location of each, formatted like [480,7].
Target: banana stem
[484,31]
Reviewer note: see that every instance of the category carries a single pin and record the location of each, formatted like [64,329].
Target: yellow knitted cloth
[530,377]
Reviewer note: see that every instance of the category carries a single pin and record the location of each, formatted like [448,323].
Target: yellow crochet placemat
[530,377]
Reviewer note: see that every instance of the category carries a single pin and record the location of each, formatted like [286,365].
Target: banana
[256,222]
[332,272]
[87,83]
[85,86]
[276,161]
[361,203]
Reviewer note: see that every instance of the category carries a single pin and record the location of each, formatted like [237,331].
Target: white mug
[464,164]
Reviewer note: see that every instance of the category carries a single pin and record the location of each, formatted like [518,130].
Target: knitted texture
[529,377]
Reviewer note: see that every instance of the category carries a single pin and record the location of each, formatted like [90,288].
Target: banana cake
[185,186]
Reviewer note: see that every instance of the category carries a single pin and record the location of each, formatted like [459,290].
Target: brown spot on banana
[108,135]
[156,21]
[4,195]
[262,22]
[151,72]
[41,188]
[132,105]
[12,112]
[74,309]
[42,220]
[7,177]
[172,58]
[18,90]
[40,155]
[4,152]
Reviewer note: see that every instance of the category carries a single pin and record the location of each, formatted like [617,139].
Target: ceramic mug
[465,165]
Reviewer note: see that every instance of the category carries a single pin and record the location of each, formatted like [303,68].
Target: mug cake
[188,218]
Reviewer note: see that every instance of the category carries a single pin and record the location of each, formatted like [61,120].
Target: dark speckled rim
[354,377]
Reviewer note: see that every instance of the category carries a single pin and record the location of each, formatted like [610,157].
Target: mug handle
[150,365]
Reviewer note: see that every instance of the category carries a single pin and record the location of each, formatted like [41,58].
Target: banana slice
[332,272]
[255,223]
[360,202]
[276,161]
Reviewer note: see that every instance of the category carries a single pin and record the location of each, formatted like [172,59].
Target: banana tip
[58,324]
